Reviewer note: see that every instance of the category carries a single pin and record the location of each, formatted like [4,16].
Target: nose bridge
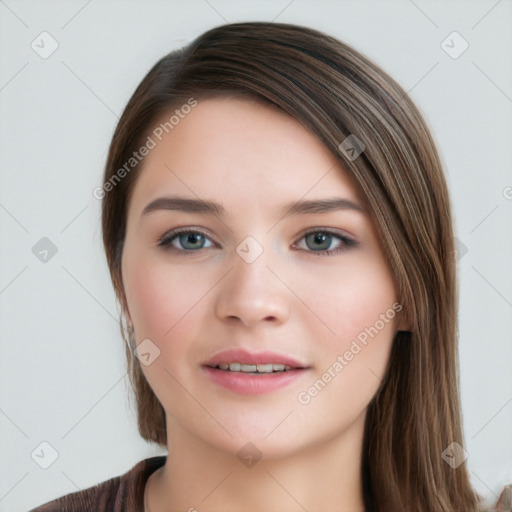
[250,291]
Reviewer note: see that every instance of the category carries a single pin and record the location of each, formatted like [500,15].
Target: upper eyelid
[173,233]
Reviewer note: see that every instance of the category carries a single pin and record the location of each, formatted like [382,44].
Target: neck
[198,477]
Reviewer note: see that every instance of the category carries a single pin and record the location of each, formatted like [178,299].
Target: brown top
[124,493]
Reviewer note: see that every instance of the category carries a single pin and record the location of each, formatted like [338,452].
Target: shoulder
[504,501]
[123,493]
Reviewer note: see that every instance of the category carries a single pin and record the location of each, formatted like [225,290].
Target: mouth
[254,369]
[239,360]
[249,373]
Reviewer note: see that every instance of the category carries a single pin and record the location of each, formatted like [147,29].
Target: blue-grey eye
[189,240]
[324,242]
[192,241]
[318,241]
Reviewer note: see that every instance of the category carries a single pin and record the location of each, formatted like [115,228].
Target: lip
[243,356]
[250,384]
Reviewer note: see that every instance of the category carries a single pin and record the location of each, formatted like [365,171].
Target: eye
[321,241]
[318,241]
[190,240]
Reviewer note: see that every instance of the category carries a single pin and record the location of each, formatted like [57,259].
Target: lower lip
[249,384]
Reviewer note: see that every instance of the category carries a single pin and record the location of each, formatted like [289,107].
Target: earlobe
[125,311]
[127,317]
[404,322]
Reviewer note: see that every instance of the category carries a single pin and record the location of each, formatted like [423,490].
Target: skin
[293,299]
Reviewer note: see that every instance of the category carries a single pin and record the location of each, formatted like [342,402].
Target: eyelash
[166,240]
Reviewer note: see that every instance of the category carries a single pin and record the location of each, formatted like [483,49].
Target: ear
[404,321]
[121,292]
[124,309]
[128,318]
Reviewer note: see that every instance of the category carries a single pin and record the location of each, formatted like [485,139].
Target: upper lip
[243,356]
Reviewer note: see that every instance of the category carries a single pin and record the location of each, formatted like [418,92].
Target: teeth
[254,368]
[265,368]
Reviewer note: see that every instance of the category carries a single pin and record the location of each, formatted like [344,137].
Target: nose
[252,294]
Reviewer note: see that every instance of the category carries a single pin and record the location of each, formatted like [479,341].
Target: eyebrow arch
[203,206]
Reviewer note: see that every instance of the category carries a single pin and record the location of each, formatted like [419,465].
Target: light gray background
[62,361]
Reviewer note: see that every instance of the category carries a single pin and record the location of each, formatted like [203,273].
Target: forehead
[241,145]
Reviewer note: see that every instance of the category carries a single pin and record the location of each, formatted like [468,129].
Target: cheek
[148,297]
[170,304]
[164,302]
[362,307]
[353,361]
[357,304]
[356,297]
[166,307]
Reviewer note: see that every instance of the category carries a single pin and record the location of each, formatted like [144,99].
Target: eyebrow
[202,206]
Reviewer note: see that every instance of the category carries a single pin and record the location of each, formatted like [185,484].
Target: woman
[278,231]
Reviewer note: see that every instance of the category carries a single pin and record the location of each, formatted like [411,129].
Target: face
[270,317]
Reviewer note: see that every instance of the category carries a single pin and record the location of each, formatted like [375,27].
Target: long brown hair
[335,92]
